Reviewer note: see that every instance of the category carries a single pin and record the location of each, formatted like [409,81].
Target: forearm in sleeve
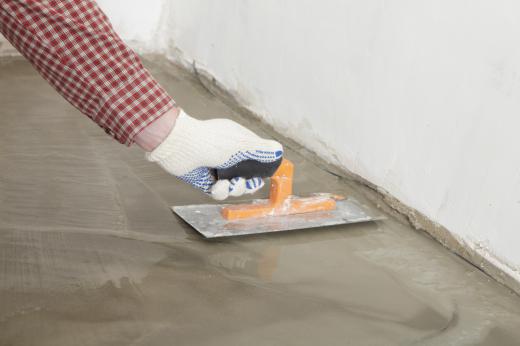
[74,47]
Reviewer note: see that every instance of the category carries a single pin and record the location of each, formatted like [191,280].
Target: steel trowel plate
[207,220]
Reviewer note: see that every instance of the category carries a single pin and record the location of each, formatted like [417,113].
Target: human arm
[72,44]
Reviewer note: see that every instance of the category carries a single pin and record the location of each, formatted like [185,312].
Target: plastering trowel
[281,212]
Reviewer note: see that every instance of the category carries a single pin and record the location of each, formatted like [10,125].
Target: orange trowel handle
[281,189]
[281,183]
[280,200]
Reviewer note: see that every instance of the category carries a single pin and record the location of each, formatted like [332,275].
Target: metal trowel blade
[207,220]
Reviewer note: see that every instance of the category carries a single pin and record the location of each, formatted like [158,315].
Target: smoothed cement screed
[91,254]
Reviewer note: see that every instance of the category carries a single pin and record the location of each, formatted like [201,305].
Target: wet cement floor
[90,253]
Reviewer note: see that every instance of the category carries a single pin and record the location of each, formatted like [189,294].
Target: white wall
[420,97]
[136,21]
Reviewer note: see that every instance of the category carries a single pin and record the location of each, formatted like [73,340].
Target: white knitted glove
[195,148]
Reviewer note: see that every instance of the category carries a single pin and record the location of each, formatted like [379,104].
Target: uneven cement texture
[90,253]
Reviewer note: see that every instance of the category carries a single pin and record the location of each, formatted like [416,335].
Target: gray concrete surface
[90,253]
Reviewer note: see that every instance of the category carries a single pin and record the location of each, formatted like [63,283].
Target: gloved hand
[195,148]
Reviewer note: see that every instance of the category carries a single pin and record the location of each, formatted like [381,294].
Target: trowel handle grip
[249,169]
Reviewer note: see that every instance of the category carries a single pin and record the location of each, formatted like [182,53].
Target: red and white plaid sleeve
[74,47]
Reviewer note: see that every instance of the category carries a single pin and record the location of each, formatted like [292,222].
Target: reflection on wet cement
[90,253]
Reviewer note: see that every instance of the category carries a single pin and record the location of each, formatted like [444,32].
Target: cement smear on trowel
[90,253]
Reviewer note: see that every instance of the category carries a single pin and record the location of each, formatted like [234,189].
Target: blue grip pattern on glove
[203,179]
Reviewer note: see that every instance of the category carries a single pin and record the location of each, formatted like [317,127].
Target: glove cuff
[175,148]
